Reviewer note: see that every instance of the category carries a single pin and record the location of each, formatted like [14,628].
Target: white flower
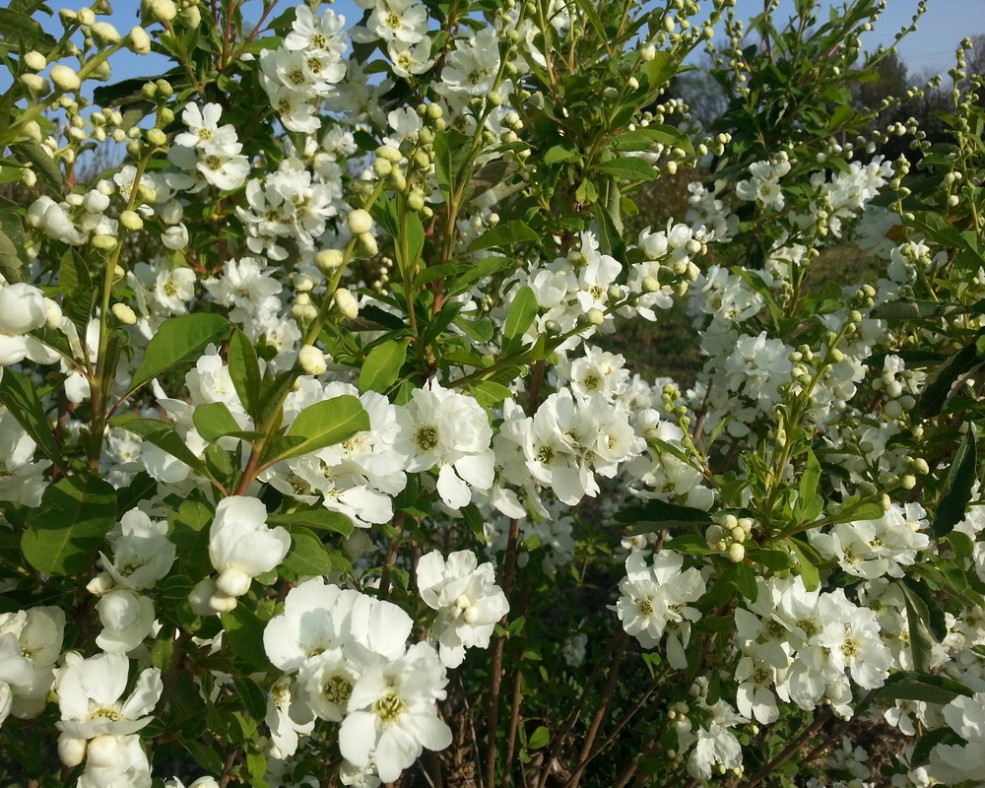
[653,600]
[30,643]
[468,601]
[319,617]
[142,553]
[393,714]
[441,428]
[127,619]
[399,20]
[204,130]
[89,692]
[473,64]
[953,764]
[22,309]
[241,546]
[115,761]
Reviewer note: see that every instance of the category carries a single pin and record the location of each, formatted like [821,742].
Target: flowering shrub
[318,466]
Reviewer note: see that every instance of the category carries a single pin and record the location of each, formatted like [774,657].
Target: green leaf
[505,234]
[243,633]
[382,366]
[488,393]
[317,519]
[306,558]
[745,581]
[68,527]
[957,486]
[414,242]
[660,70]
[559,153]
[539,738]
[179,339]
[450,147]
[927,607]
[11,242]
[939,388]
[213,421]
[41,162]
[204,756]
[854,509]
[629,169]
[809,504]
[659,515]
[807,569]
[916,615]
[324,424]
[17,27]
[520,316]
[164,436]
[244,370]
[776,560]
[20,396]
[912,686]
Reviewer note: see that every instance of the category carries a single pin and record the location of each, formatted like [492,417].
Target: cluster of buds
[729,536]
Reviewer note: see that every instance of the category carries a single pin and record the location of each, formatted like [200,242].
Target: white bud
[175,237]
[105,751]
[160,10]
[104,34]
[312,360]
[360,222]
[139,41]
[34,60]
[329,259]
[346,303]
[233,582]
[124,314]
[71,750]
[131,220]
[595,316]
[104,243]
[35,83]
[65,78]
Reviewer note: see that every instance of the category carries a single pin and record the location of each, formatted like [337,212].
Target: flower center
[426,438]
[389,707]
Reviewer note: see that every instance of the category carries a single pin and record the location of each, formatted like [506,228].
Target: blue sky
[931,47]
[929,50]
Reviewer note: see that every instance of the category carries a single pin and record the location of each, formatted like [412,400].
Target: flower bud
[124,314]
[131,220]
[139,41]
[367,245]
[65,78]
[52,314]
[105,35]
[360,222]
[104,243]
[329,259]
[156,137]
[105,751]
[159,10]
[346,303]
[34,60]
[71,750]
[312,360]
[35,84]
[233,582]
